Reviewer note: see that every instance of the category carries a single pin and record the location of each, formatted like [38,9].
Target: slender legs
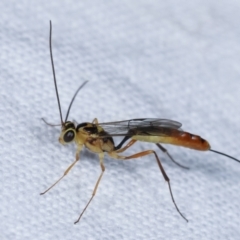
[67,170]
[166,151]
[144,153]
[115,155]
[101,155]
[50,124]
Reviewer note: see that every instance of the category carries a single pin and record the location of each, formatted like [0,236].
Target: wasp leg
[50,124]
[130,143]
[166,152]
[144,153]
[95,121]
[101,155]
[67,170]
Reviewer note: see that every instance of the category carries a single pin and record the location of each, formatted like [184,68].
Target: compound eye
[68,136]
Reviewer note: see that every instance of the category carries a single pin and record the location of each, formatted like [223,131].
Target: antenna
[54,75]
[75,94]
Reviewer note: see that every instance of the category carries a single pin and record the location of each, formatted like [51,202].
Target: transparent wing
[154,126]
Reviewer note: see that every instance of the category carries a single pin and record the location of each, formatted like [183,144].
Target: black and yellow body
[91,135]
[98,138]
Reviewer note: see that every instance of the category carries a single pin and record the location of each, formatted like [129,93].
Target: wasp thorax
[68,133]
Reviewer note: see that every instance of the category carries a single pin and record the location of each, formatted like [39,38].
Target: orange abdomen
[175,137]
[189,140]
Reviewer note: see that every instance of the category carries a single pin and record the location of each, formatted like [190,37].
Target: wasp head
[68,133]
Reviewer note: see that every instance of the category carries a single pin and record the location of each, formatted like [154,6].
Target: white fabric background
[166,59]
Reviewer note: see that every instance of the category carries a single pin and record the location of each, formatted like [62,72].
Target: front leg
[101,155]
[67,170]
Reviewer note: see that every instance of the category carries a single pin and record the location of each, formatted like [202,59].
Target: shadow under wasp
[98,138]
